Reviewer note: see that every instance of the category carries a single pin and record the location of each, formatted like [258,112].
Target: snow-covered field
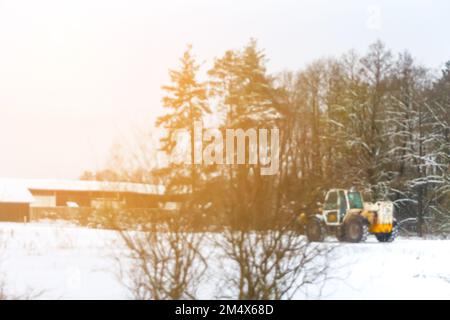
[68,262]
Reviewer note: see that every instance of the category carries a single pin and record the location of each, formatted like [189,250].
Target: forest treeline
[378,121]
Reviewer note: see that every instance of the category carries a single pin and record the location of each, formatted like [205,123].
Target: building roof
[93,186]
[13,192]
[81,186]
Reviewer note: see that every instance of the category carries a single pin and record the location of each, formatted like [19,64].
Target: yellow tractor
[345,214]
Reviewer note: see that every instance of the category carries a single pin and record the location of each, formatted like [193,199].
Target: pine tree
[186,99]
[246,96]
[224,85]
[245,92]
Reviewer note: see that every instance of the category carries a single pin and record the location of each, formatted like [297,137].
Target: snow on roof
[77,185]
[11,192]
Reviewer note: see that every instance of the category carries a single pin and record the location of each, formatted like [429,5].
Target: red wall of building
[14,212]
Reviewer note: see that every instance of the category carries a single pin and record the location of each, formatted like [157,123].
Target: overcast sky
[76,75]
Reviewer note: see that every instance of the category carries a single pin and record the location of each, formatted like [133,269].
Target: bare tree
[165,263]
[274,264]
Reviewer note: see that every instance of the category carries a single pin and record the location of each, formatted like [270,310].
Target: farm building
[15,202]
[19,196]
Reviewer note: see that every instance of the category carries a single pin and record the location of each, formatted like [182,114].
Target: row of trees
[377,121]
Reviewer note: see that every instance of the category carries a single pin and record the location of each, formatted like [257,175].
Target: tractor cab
[339,202]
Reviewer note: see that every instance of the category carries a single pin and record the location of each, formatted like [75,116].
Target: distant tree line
[378,121]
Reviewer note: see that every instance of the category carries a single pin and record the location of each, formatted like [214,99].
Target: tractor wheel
[315,230]
[300,228]
[340,234]
[388,237]
[356,230]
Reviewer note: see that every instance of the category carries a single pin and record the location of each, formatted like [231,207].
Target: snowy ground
[66,262]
